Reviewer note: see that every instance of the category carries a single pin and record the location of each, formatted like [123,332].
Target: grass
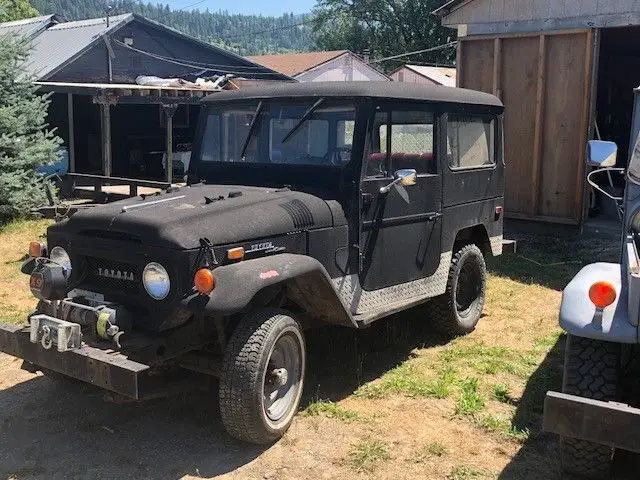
[463,472]
[16,300]
[429,451]
[502,426]
[367,454]
[331,410]
[470,401]
[501,393]
[485,360]
[408,380]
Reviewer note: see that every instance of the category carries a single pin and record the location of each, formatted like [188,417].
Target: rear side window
[470,141]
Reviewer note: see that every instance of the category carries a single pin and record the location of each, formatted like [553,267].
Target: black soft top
[391,90]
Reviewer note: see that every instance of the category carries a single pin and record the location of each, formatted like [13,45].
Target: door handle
[433,217]
[367,200]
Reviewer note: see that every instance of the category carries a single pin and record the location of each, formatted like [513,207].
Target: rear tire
[591,370]
[458,311]
[262,376]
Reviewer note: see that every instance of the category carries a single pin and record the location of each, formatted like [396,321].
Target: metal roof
[392,90]
[439,75]
[27,27]
[449,7]
[62,42]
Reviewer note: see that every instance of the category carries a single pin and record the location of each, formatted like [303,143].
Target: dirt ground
[391,402]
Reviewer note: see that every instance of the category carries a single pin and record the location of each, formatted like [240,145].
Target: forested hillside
[244,34]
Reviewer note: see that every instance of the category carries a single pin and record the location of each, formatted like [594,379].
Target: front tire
[458,311]
[262,376]
[591,370]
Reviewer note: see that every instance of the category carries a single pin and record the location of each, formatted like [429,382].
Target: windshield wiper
[252,127]
[302,120]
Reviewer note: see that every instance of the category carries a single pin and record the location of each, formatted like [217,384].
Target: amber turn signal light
[36,249]
[204,281]
[235,253]
[602,294]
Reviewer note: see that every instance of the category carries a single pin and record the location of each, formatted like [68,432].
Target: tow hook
[106,329]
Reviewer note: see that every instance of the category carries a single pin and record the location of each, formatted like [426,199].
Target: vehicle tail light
[37,249]
[204,281]
[602,294]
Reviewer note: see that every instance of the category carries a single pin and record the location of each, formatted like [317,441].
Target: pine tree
[16,10]
[25,140]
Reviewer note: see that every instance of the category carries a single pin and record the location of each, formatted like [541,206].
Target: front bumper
[606,423]
[106,369]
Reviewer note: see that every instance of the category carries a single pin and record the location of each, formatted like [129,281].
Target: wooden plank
[584,122]
[106,138]
[564,126]
[537,141]
[527,34]
[72,133]
[459,62]
[478,58]
[497,65]
[540,9]
[519,79]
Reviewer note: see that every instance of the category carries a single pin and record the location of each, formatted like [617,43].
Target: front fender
[306,280]
[579,317]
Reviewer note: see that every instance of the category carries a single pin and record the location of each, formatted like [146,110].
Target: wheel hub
[280,376]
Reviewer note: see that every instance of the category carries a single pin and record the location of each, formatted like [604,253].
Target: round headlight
[156,281]
[60,256]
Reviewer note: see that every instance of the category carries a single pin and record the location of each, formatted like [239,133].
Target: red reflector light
[36,249]
[602,294]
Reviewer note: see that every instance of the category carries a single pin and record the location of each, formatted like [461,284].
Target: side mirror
[405,177]
[601,154]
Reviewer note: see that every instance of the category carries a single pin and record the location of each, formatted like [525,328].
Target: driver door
[400,230]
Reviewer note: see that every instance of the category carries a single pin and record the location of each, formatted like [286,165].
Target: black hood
[223,214]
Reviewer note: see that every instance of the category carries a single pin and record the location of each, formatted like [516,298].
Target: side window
[412,141]
[470,141]
[402,139]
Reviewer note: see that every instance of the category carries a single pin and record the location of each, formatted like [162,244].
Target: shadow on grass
[539,456]
[553,261]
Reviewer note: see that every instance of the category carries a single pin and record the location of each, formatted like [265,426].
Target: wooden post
[537,136]
[459,71]
[497,66]
[169,111]
[72,134]
[106,138]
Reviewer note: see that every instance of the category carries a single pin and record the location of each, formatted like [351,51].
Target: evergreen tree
[25,141]
[16,10]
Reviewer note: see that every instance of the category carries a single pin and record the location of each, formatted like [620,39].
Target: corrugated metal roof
[27,27]
[62,42]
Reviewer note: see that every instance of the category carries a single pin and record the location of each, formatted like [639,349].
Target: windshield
[313,132]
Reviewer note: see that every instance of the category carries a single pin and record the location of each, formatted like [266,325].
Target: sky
[264,7]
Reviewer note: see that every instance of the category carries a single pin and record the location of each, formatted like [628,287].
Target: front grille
[109,276]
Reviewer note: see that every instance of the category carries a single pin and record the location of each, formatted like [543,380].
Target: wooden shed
[565,70]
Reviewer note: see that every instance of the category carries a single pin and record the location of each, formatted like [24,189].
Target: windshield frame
[262,131]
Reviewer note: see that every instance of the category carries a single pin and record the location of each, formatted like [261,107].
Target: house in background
[109,124]
[340,65]
[425,75]
[565,70]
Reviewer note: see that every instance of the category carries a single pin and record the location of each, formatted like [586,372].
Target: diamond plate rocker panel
[360,301]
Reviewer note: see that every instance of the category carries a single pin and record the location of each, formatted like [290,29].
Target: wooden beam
[169,111]
[537,136]
[527,34]
[584,119]
[459,71]
[72,133]
[497,66]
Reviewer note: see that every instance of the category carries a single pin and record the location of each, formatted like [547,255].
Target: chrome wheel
[282,380]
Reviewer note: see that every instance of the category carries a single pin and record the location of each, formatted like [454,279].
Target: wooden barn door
[545,82]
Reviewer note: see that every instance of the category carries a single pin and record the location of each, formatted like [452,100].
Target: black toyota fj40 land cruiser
[306,204]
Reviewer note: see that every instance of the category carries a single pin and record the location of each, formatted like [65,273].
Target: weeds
[490,360]
[331,410]
[501,393]
[462,472]
[407,380]
[429,451]
[367,454]
[470,401]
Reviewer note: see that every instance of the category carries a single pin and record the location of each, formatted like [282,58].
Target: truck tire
[458,311]
[262,376]
[591,370]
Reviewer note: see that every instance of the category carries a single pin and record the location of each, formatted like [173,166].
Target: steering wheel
[338,156]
